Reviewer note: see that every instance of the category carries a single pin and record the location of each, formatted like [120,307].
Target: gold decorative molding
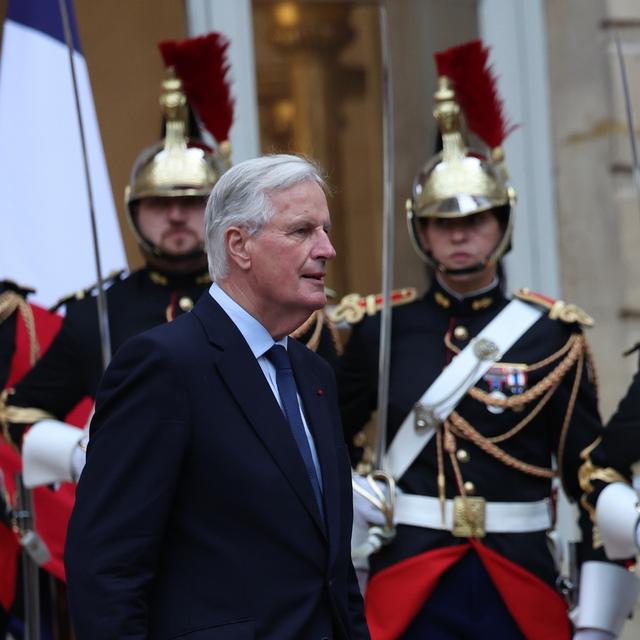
[306,26]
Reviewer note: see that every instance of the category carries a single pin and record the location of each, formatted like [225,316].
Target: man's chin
[177,251]
[316,301]
[460,264]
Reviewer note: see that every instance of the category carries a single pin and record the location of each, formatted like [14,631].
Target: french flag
[46,241]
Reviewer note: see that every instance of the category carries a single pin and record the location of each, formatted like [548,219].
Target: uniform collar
[464,305]
[177,281]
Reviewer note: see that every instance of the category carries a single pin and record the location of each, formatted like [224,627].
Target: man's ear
[235,240]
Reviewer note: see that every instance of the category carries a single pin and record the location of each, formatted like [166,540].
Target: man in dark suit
[216,499]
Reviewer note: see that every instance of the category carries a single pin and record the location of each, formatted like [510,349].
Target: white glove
[592,634]
[372,521]
[368,510]
[48,452]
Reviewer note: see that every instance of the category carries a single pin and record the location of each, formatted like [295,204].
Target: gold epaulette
[83,293]
[558,310]
[20,289]
[353,307]
[317,320]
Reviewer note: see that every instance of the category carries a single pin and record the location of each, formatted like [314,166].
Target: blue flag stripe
[44,16]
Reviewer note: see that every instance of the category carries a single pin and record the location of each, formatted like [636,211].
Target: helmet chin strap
[481,265]
[476,268]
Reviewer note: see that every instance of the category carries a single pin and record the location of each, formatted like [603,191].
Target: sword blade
[384,356]
[103,317]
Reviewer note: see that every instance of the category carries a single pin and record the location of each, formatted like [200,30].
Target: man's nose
[176,213]
[458,230]
[324,247]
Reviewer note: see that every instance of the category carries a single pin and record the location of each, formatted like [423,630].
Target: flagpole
[103,317]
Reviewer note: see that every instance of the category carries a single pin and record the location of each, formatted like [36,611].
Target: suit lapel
[247,384]
[319,418]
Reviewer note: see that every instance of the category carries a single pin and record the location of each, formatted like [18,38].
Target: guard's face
[173,225]
[458,243]
[289,254]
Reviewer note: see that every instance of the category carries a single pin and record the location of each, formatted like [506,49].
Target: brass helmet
[459,181]
[179,165]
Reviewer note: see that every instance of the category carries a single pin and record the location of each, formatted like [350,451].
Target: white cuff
[47,452]
[608,594]
[592,634]
[617,517]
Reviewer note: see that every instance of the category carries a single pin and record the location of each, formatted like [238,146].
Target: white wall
[515,30]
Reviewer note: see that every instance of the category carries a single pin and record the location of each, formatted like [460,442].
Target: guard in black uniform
[26,331]
[489,401]
[72,368]
[606,477]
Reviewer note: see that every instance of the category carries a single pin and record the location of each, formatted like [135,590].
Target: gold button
[469,488]
[460,333]
[185,303]
[463,455]
[360,439]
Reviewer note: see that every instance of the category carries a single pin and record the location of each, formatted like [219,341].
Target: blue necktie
[279,358]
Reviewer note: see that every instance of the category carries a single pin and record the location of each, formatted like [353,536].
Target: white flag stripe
[46,242]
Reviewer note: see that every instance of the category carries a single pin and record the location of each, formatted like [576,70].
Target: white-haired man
[227,513]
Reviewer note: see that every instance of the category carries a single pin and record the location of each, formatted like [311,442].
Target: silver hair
[240,198]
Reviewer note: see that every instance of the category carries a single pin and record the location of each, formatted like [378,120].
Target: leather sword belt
[473,517]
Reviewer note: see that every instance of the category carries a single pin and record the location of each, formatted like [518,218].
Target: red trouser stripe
[395,595]
[538,610]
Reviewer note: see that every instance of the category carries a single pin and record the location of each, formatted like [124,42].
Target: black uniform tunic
[72,367]
[419,354]
[620,447]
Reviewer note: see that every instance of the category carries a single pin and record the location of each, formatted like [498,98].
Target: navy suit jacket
[194,516]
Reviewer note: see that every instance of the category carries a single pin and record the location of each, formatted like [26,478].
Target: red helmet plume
[467,67]
[201,64]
